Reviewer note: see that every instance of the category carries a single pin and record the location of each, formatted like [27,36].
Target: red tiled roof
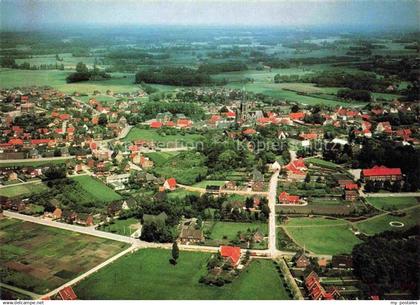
[64,116]
[231,114]
[309,136]
[284,196]
[351,186]
[40,141]
[67,293]
[155,124]
[183,122]
[381,171]
[171,182]
[234,253]
[264,120]
[170,124]
[297,115]
[16,142]
[214,118]
[249,131]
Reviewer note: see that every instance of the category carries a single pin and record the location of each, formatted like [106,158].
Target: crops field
[148,275]
[39,258]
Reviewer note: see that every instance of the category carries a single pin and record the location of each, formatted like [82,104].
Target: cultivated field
[148,275]
[96,189]
[152,135]
[39,258]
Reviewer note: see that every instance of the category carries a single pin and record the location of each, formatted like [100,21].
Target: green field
[23,189]
[124,227]
[322,163]
[96,189]
[152,135]
[181,193]
[148,275]
[322,236]
[381,223]
[161,157]
[39,258]
[393,203]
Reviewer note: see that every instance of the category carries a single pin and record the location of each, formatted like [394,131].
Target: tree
[175,251]
[81,68]
[308,178]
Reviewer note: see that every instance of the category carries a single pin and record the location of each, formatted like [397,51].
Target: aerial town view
[209,150]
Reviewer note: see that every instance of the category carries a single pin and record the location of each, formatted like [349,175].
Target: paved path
[272,218]
[21,291]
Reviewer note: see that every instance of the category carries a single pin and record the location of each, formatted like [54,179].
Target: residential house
[342,262]
[296,170]
[84,219]
[285,198]
[301,260]
[231,254]
[190,234]
[170,184]
[351,192]
[67,293]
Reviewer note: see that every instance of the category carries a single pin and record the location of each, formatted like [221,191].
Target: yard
[148,275]
[223,233]
[39,258]
[23,189]
[393,203]
[322,235]
[96,189]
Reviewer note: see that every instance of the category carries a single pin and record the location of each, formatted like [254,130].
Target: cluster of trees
[10,62]
[388,262]
[354,94]
[337,153]
[400,118]
[189,109]
[376,186]
[83,74]
[176,76]
[214,68]
[385,152]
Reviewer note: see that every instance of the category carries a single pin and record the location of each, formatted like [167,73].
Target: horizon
[46,14]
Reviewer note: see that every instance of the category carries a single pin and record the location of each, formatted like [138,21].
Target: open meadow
[96,190]
[22,189]
[148,275]
[39,258]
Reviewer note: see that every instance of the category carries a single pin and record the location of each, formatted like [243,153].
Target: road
[21,291]
[378,195]
[272,194]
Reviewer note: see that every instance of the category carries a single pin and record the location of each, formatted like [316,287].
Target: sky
[33,14]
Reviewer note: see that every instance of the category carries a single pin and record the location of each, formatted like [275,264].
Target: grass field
[161,157]
[23,189]
[40,258]
[322,163]
[381,223]
[181,193]
[205,183]
[152,135]
[322,236]
[148,275]
[96,189]
[124,227]
[393,203]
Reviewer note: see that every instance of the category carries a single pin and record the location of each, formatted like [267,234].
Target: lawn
[24,162]
[181,193]
[96,189]
[23,189]
[148,275]
[223,233]
[40,258]
[393,203]
[152,135]
[322,236]
[122,226]
[381,223]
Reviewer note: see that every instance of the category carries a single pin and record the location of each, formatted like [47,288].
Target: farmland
[148,275]
[96,190]
[39,258]
[321,235]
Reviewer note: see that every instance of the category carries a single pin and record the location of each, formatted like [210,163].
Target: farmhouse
[285,198]
[84,219]
[190,234]
[381,173]
[67,293]
[301,260]
[231,254]
[296,170]
[351,192]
